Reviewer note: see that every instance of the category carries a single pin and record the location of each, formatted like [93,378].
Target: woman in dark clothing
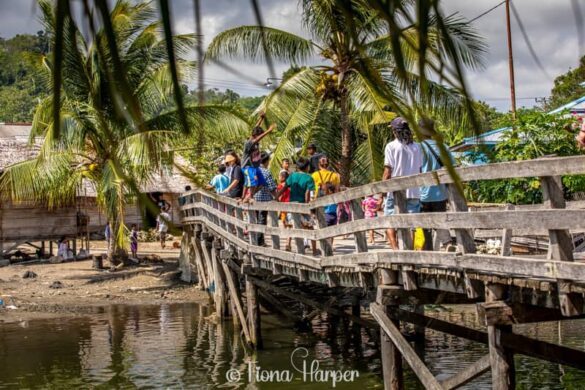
[236,187]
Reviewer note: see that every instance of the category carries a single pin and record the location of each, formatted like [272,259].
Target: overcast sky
[550,25]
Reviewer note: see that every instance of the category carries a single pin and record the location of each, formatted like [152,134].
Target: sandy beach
[75,288]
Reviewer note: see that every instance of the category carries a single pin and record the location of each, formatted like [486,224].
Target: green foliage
[568,86]
[488,118]
[535,135]
[371,58]
[101,143]
[243,104]
[22,82]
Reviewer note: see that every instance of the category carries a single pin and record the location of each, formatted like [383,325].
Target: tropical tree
[370,71]
[114,131]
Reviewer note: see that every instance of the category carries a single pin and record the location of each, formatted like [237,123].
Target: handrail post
[560,245]
[405,240]
[457,203]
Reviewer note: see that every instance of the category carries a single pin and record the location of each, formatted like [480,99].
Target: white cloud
[550,24]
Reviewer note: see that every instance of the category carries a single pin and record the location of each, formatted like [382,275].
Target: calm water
[176,346]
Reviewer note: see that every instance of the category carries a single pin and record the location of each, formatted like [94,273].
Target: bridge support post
[202,273]
[419,333]
[253,310]
[501,358]
[390,355]
[219,296]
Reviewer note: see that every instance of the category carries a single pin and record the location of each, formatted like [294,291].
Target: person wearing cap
[301,185]
[432,198]
[402,157]
[236,187]
[251,159]
[265,194]
[314,157]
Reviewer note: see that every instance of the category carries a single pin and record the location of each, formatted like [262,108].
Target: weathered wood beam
[560,244]
[556,166]
[220,296]
[511,313]
[235,297]
[275,238]
[467,374]
[277,305]
[253,312]
[523,220]
[310,302]
[524,345]
[420,369]
[501,357]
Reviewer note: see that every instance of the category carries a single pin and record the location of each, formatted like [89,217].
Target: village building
[40,227]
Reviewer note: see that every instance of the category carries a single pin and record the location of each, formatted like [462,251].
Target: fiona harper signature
[309,371]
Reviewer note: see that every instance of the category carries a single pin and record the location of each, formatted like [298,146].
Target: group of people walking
[248,179]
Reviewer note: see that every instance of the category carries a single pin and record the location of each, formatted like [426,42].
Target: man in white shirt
[162,226]
[402,157]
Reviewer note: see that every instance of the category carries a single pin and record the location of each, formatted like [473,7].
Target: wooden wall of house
[27,222]
[132,214]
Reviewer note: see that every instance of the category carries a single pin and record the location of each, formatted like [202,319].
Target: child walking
[370,206]
[285,198]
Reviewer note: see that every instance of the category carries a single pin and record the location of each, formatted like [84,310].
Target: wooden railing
[229,219]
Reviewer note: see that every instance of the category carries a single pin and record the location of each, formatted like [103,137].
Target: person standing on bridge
[251,160]
[314,157]
[236,186]
[402,157]
[301,185]
[433,199]
[265,194]
[220,181]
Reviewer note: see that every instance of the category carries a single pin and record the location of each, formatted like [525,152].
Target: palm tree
[346,99]
[97,141]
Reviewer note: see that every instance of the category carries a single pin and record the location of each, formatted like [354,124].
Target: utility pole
[511,61]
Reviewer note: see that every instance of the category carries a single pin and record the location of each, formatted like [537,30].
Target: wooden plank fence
[223,238]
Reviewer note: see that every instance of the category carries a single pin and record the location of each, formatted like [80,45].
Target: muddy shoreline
[76,289]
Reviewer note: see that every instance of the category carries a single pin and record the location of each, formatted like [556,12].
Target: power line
[507,98]
[527,40]
[487,12]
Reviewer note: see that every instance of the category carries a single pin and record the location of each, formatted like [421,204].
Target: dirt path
[75,288]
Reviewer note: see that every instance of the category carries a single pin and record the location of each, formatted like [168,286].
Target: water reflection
[181,346]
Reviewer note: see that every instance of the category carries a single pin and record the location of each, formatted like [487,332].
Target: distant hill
[22,83]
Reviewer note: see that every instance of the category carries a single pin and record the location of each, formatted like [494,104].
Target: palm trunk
[346,140]
[113,243]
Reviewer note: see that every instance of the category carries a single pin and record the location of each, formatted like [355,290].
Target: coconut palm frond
[245,42]
[52,182]
[299,127]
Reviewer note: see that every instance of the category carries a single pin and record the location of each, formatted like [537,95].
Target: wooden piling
[220,295]
[501,358]
[253,311]
[390,355]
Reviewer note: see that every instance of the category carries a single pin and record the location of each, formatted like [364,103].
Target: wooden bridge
[378,284]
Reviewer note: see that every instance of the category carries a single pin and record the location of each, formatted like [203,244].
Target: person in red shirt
[285,198]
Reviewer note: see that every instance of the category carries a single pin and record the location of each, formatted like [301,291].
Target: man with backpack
[433,199]
[326,182]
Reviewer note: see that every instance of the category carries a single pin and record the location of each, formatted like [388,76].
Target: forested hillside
[22,83]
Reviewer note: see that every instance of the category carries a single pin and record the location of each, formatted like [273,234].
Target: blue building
[491,138]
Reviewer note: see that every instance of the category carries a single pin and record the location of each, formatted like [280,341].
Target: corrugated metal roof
[493,137]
